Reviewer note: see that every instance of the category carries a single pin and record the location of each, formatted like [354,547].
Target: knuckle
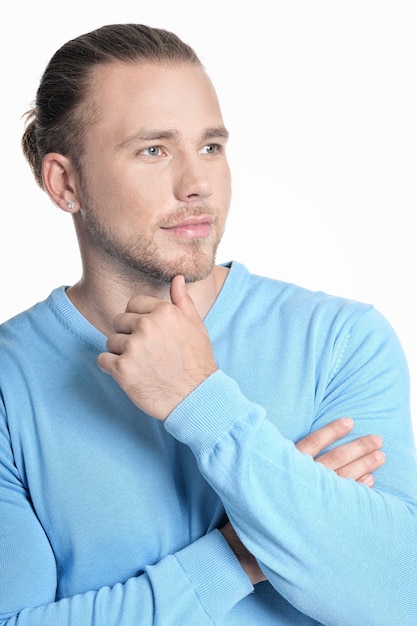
[142,325]
[342,472]
[312,439]
[335,456]
[337,428]
[369,443]
[121,367]
[375,460]
[365,444]
[310,443]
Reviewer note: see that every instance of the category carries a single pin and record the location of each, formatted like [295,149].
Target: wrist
[247,561]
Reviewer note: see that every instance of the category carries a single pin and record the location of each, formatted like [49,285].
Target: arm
[165,593]
[356,459]
[290,512]
[25,547]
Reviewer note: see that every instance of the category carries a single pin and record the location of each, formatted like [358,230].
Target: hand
[160,351]
[356,459]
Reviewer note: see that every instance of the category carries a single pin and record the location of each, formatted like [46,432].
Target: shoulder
[316,315]
[296,299]
[20,334]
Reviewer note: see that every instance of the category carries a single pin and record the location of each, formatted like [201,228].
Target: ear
[60,180]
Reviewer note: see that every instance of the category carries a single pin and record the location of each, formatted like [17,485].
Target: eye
[152,151]
[211,148]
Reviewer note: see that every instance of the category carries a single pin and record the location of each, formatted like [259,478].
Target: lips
[191,227]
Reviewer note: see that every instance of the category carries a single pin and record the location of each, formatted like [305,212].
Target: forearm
[204,580]
[309,529]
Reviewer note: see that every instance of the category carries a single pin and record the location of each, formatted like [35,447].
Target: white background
[321,101]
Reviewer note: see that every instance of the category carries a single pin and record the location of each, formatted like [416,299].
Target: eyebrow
[156,134]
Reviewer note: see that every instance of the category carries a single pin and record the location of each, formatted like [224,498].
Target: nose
[193,178]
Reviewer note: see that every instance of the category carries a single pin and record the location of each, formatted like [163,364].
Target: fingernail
[377,439]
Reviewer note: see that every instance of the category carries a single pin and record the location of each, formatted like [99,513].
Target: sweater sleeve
[173,591]
[338,551]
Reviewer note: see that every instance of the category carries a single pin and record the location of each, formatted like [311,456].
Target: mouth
[194,227]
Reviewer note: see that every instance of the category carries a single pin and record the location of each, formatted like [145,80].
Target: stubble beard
[139,257]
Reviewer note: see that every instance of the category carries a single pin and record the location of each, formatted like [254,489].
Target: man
[148,467]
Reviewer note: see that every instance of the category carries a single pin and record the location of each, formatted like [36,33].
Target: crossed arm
[185,361]
[356,459]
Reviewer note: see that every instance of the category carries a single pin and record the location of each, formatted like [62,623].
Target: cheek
[226,188]
[117,190]
[100,183]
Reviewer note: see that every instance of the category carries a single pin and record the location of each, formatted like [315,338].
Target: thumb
[182,299]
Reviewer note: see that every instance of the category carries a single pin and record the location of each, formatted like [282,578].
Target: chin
[194,268]
[195,274]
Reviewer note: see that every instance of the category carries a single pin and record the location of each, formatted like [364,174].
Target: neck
[100,298]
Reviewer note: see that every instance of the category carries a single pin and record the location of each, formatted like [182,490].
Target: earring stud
[71,204]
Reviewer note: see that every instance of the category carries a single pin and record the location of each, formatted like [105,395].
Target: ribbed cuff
[207,414]
[215,573]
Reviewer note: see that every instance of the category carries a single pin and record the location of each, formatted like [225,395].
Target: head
[62,109]
[98,92]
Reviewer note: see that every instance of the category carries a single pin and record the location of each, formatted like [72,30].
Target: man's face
[156,182]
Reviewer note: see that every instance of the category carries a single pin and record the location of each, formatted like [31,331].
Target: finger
[360,468]
[141,304]
[367,480]
[127,323]
[349,452]
[116,344]
[318,440]
[106,361]
[182,299]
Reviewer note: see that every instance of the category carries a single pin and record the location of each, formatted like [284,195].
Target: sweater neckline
[70,317]
[227,299]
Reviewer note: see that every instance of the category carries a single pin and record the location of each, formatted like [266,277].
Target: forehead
[154,95]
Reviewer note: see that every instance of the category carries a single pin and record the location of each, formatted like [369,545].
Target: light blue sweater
[109,517]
